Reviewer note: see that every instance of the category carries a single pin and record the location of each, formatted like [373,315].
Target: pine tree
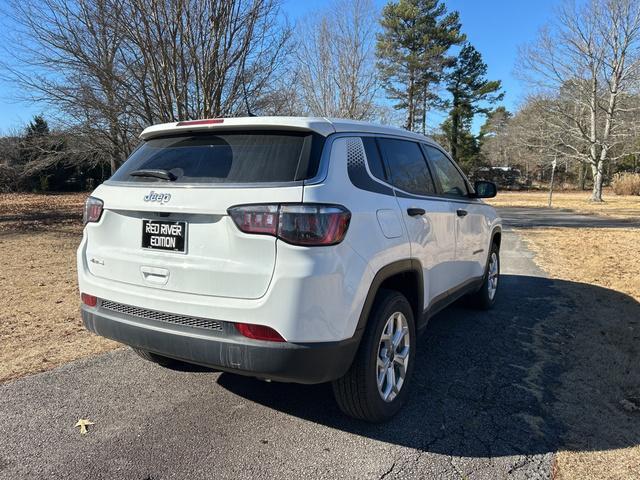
[471,93]
[34,133]
[39,126]
[468,147]
[496,122]
[41,157]
[412,53]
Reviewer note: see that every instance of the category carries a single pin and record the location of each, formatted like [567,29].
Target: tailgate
[217,259]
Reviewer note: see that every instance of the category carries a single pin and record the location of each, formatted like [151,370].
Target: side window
[373,158]
[407,166]
[451,181]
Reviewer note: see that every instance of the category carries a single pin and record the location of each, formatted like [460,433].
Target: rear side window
[373,158]
[258,157]
[407,166]
[451,180]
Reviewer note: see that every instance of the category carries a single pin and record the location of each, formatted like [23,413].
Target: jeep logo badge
[160,198]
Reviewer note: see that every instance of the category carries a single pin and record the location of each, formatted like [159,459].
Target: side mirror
[485,189]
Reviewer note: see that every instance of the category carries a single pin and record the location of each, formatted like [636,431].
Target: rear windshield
[256,157]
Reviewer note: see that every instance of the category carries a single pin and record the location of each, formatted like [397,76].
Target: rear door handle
[461,213]
[416,212]
[158,276]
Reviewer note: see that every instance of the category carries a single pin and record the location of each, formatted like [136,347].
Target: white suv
[292,249]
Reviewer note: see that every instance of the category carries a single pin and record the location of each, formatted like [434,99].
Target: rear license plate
[159,235]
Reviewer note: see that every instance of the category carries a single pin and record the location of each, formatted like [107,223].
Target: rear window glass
[224,158]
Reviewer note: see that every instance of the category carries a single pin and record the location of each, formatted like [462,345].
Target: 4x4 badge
[161,198]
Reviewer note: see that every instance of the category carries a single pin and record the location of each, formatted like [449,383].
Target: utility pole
[553,171]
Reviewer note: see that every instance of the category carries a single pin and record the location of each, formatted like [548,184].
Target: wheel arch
[496,236]
[404,276]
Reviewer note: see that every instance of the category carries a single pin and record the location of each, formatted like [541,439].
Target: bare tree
[66,55]
[585,64]
[111,67]
[335,60]
[195,59]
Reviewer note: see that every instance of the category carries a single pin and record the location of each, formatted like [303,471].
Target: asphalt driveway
[534,217]
[481,407]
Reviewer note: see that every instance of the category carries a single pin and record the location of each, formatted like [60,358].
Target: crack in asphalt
[388,472]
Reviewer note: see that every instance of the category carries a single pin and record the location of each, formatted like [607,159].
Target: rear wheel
[155,358]
[377,384]
[486,296]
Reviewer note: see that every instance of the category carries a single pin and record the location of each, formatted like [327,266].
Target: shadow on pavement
[552,366]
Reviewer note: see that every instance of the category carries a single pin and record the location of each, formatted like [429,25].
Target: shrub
[626,183]
[9,178]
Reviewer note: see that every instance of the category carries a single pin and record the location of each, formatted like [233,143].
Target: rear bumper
[227,350]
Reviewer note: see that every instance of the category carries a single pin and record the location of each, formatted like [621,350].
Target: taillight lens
[298,224]
[259,332]
[256,218]
[313,224]
[92,210]
[89,300]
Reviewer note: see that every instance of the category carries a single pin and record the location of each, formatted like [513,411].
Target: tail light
[256,218]
[89,300]
[259,332]
[92,210]
[208,121]
[298,224]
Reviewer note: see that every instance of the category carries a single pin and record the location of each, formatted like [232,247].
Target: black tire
[357,392]
[482,299]
[155,358]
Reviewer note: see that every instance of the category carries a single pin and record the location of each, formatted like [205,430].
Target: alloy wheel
[393,356]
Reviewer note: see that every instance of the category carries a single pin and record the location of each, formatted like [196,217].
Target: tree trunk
[424,111]
[115,157]
[410,102]
[582,176]
[455,126]
[598,178]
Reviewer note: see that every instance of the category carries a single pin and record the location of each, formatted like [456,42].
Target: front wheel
[377,384]
[486,296]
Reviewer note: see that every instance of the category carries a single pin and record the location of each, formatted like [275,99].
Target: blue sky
[495,27]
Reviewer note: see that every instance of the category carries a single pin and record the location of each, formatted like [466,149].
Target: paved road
[475,411]
[528,217]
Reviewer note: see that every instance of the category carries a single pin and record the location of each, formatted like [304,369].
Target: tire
[357,393]
[484,299]
[155,358]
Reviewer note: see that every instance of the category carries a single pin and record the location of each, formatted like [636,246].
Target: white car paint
[307,294]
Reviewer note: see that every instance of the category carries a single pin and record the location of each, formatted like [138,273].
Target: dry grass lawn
[604,428]
[619,206]
[609,257]
[40,325]
[29,212]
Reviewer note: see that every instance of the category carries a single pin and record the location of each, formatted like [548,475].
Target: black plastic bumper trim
[307,363]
